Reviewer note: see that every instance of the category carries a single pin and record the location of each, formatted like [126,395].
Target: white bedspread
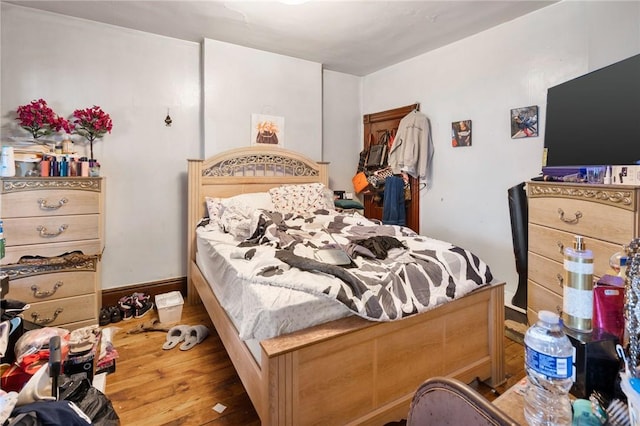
[259,311]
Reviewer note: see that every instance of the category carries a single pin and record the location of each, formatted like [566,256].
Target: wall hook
[168,120]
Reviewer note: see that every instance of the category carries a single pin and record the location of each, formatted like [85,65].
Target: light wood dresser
[54,240]
[606,215]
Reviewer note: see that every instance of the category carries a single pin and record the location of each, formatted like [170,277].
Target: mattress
[258,311]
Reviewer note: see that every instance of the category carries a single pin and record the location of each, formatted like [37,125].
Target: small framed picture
[461,133]
[267,130]
[524,122]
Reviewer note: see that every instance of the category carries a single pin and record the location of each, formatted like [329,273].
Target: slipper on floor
[175,335]
[194,335]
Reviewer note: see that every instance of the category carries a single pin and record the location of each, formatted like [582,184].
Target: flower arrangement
[40,120]
[91,123]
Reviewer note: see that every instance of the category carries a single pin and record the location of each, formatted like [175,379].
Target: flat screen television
[595,119]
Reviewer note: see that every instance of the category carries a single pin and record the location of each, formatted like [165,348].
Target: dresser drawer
[15,253]
[580,217]
[49,229]
[550,243]
[50,202]
[545,272]
[540,298]
[57,312]
[52,286]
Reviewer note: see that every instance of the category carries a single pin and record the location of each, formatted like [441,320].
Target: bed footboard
[354,371]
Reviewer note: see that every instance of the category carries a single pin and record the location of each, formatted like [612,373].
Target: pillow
[329,197]
[349,204]
[251,201]
[255,200]
[299,199]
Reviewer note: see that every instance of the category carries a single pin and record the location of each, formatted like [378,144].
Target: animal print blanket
[394,272]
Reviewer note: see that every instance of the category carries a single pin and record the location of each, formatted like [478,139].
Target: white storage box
[169,307]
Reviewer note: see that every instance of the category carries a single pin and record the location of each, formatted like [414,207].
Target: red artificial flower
[91,123]
[40,120]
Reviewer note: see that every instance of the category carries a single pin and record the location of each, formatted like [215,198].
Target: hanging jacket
[412,148]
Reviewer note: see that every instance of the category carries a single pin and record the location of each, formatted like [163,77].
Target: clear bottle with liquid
[549,368]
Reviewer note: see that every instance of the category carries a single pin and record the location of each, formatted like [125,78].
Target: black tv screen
[594,119]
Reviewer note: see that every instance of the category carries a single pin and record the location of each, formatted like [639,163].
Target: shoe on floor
[194,335]
[115,314]
[175,335]
[105,317]
[125,305]
[141,304]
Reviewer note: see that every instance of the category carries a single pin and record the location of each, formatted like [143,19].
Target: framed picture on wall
[524,122]
[267,130]
[461,133]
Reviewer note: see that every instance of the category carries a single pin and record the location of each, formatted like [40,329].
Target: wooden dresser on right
[605,215]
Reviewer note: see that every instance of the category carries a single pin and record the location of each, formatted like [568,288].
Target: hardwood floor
[152,386]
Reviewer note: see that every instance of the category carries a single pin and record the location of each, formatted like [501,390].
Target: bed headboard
[240,171]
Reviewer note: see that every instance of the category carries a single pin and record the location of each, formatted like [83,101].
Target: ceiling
[354,37]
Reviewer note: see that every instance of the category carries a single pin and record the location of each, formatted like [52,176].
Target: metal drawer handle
[43,321]
[577,217]
[560,246]
[560,279]
[45,234]
[45,206]
[42,294]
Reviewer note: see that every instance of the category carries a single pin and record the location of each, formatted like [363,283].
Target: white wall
[480,79]
[341,127]
[135,77]
[239,81]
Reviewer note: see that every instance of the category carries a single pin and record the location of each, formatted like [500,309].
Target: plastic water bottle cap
[580,405]
[549,317]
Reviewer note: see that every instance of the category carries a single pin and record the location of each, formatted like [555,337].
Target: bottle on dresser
[577,301]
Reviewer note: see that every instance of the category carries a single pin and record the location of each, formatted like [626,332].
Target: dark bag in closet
[362,161]
[377,157]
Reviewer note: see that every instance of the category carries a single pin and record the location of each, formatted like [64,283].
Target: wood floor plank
[152,386]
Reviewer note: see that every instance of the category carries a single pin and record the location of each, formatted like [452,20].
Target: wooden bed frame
[348,371]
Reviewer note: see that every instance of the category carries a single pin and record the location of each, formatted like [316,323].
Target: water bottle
[549,365]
